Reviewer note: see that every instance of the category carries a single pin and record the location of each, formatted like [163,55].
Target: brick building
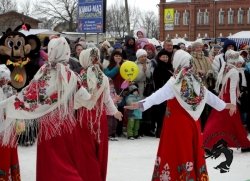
[12,19]
[192,19]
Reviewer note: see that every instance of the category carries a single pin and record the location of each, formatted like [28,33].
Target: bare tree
[116,24]
[62,11]
[116,20]
[7,5]
[25,8]
[150,22]
[46,23]
[135,15]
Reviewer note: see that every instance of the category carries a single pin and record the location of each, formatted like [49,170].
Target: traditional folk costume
[221,125]
[48,99]
[9,165]
[180,155]
[92,134]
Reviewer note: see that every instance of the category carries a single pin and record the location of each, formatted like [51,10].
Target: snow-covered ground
[133,160]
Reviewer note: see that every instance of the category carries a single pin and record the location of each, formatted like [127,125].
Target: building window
[221,17]
[185,18]
[199,17]
[177,18]
[240,16]
[248,16]
[206,17]
[230,15]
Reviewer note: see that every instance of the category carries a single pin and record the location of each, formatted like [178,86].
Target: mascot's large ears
[35,44]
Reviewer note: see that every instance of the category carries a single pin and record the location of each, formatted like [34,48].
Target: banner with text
[169,18]
[91,16]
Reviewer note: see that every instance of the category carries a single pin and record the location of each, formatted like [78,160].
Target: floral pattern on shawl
[36,93]
[98,74]
[187,93]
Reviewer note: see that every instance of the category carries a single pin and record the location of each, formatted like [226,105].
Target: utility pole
[127,17]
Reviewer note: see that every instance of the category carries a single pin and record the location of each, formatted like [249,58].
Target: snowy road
[133,160]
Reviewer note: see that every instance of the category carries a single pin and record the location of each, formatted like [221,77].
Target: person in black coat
[129,48]
[162,73]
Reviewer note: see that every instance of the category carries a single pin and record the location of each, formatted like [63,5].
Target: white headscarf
[4,93]
[92,76]
[188,88]
[94,80]
[48,97]
[228,68]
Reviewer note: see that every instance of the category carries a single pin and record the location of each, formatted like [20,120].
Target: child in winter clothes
[112,121]
[134,116]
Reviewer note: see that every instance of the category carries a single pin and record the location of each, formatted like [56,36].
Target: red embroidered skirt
[180,154]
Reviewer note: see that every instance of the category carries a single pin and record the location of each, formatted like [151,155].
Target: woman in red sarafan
[49,101]
[180,155]
[91,154]
[221,125]
[9,165]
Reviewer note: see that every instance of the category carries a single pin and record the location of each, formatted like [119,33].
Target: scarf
[5,90]
[94,81]
[48,97]
[231,57]
[228,71]
[187,87]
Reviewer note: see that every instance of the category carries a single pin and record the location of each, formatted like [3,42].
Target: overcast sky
[142,4]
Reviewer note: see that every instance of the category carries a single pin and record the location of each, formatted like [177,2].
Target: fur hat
[196,44]
[227,43]
[140,53]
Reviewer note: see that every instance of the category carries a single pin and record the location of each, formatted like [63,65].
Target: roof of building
[39,31]
[19,14]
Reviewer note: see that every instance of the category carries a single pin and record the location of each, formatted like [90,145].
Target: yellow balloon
[129,70]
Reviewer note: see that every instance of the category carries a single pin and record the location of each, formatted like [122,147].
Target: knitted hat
[149,46]
[232,56]
[117,46]
[132,88]
[140,53]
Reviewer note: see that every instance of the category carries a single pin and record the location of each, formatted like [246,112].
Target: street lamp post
[127,17]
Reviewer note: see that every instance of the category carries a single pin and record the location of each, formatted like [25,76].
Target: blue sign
[91,16]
